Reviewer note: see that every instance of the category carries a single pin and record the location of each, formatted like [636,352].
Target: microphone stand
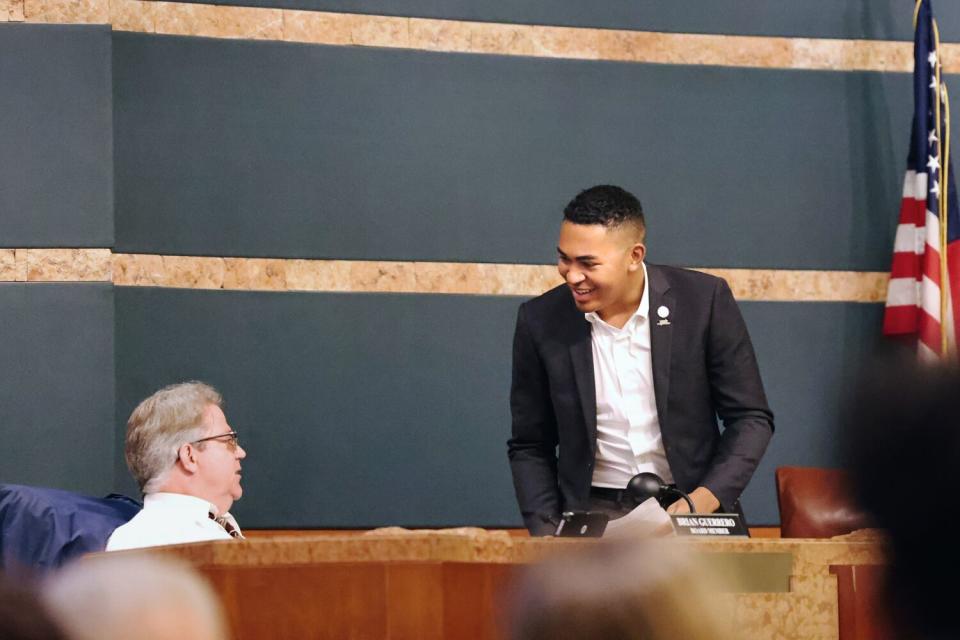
[682,494]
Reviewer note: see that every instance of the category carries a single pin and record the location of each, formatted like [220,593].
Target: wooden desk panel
[859,595]
[376,600]
[415,600]
[476,599]
[329,601]
[451,584]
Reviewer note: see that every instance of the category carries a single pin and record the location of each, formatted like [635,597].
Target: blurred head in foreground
[903,451]
[23,616]
[116,597]
[616,591]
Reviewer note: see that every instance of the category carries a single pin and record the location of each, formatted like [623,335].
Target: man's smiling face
[600,265]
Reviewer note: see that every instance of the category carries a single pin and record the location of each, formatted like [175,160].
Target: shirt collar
[199,507]
[643,311]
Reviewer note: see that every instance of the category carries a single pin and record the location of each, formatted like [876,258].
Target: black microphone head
[643,486]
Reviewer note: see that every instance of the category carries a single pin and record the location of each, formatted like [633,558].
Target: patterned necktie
[227,525]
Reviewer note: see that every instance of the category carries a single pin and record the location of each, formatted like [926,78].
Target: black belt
[615,495]
[606,493]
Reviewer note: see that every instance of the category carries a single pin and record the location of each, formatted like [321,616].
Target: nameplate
[728,525]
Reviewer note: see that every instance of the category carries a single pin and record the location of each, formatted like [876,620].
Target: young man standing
[625,368]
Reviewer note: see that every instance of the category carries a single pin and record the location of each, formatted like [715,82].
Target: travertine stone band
[55,265]
[319,27]
[275,274]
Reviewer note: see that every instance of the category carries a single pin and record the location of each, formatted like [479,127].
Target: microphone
[649,485]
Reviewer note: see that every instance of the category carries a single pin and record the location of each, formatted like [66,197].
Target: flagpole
[945,208]
[944,143]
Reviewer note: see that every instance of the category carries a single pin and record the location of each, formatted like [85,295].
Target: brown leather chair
[816,503]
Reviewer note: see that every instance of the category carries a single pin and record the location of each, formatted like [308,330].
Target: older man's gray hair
[163,423]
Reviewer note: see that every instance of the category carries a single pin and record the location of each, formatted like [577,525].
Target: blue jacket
[41,529]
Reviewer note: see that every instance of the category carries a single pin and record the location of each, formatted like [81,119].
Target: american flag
[926,253]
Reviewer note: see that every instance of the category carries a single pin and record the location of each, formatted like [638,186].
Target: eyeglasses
[229,438]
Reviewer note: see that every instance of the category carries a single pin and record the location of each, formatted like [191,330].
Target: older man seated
[186,459]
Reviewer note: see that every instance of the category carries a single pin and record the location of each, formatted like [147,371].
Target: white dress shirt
[169,518]
[628,428]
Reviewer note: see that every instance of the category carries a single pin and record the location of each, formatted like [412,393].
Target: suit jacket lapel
[660,338]
[581,355]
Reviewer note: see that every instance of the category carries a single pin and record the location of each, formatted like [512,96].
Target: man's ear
[637,254]
[187,458]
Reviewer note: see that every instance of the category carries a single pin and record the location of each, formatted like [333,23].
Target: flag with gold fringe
[924,290]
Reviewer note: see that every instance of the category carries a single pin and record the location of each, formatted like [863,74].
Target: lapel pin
[663,312]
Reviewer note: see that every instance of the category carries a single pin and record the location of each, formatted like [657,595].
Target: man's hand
[703,500]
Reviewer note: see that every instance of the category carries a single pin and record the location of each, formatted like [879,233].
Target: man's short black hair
[605,204]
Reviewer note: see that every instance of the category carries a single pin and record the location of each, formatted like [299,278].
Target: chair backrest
[816,503]
[41,528]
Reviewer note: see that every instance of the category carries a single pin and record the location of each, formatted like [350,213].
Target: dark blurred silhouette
[902,447]
[23,616]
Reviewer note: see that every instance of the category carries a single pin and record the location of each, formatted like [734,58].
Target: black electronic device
[582,524]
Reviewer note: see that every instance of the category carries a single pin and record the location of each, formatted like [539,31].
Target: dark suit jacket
[703,367]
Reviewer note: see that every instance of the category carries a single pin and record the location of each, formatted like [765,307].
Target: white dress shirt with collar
[169,518]
[628,428]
